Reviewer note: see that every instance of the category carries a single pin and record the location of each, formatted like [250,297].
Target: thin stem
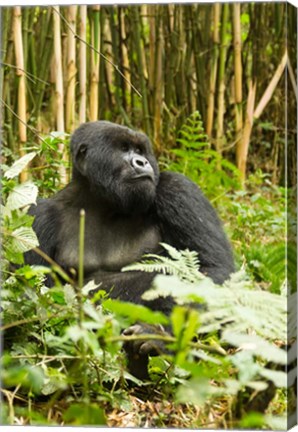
[82,344]
[81,248]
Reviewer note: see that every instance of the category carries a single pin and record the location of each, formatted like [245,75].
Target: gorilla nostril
[141,162]
[138,162]
[141,165]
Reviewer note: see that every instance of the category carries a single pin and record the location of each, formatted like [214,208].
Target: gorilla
[130,208]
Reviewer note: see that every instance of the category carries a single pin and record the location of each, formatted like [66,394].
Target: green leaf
[247,368]
[84,414]
[196,391]
[185,323]
[22,195]
[19,165]
[58,296]
[158,366]
[23,239]
[54,380]
[256,346]
[31,377]
[252,420]
[279,378]
[135,312]
[172,286]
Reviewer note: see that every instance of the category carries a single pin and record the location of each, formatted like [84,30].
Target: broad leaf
[135,312]
[257,346]
[23,239]
[279,378]
[19,165]
[22,195]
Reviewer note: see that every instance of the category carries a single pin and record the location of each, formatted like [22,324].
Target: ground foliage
[62,361]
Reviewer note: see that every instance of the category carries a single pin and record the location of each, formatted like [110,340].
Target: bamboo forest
[166,305]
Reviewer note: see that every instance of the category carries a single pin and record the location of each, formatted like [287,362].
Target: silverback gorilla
[130,208]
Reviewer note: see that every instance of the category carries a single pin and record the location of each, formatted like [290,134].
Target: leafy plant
[242,316]
[196,159]
[222,346]
[19,236]
[50,162]
[257,221]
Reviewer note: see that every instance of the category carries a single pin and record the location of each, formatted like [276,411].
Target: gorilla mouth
[143,176]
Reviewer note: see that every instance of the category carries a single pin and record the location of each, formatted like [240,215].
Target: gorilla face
[118,164]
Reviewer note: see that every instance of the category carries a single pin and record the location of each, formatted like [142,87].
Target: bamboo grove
[150,67]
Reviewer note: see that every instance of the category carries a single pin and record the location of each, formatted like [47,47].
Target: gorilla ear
[80,158]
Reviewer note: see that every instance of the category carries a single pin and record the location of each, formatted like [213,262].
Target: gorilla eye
[83,149]
[139,150]
[124,147]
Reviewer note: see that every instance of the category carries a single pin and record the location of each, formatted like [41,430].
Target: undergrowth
[62,360]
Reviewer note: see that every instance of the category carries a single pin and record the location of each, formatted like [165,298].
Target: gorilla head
[116,164]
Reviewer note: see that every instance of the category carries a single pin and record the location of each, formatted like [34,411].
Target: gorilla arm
[188,221]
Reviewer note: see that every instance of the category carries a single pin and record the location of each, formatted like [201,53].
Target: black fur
[130,208]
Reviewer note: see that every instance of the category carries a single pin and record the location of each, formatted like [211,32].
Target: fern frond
[238,305]
[183,264]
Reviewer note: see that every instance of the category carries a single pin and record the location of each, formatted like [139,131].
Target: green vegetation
[62,359]
[214,88]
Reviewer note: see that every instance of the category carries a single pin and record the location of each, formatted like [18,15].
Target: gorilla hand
[138,351]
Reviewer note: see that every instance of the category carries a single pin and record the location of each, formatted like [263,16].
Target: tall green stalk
[237,73]
[222,76]
[213,68]
[82,344]
[81,250]
[43,57]
[95,38]
[138,47]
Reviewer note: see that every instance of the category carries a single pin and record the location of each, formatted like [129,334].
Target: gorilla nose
[141,165]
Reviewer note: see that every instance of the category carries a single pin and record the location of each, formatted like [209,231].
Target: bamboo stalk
[158,83]
[5,15]
[108,66]
[292,77]
[83,63]
[22,108]
[132,66]
[167,54]
[137,38]
[6,89]
[71,69]
[124,49]
[31,64]
[25,30]
[59,93]
[238,75]
[188,62]
[213,68]
[152,64]
[252,114]
[120,39]
[43,60]
[143,23]
[95,37]
[115,47]
[180,83]
[155,75]
[199,65]
[221,78]
[271,87]
[244,144]
[103,89]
